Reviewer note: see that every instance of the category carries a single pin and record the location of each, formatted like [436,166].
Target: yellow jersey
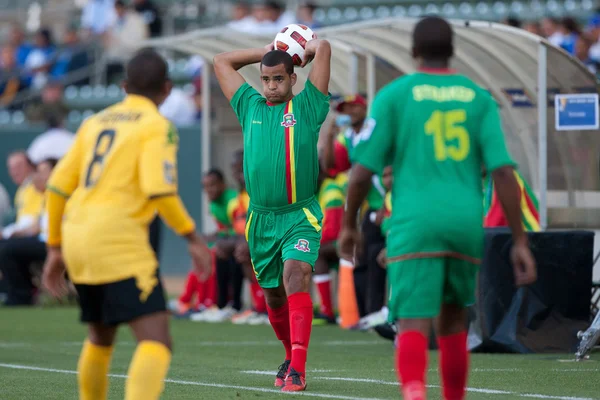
[121,159]
[29,202]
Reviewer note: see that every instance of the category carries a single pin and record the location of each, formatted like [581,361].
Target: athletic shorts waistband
[283,209]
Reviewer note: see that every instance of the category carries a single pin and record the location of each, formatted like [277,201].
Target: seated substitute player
[331,198]
[437,129]
[223,202]
[120,171]
[281,169]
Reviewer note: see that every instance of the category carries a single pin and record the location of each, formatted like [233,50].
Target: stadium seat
[500,9]
[383,12]
[415,11]
[570,6]
[320,15]
[465,10]
[334,15]
[483,10]
[350,14]
[74,117]
[71,92]
[449,10]
[399,11]
[554,7]
[366,13]
[17,118]
[432,9]
[4,117]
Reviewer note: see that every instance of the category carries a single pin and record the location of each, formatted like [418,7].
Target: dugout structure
[522,71]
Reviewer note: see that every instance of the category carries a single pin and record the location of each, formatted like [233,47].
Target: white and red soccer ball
[292,39]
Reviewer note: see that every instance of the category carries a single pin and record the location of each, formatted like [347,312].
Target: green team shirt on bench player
[436,130]
[222,211]
[281,168]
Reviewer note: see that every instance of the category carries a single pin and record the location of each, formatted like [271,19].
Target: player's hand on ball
[270,47]
[310,51]
[53,276]
[524,265]
[201,258]
[349,244]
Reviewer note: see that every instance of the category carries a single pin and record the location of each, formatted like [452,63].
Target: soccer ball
[292,39]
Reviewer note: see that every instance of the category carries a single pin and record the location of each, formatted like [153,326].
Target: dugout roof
[367,55]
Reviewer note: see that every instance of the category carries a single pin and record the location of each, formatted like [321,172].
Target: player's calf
[152,357]
[279,317]
[94,362]
[411,357]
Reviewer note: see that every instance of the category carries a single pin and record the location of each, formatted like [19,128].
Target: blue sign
[576,112]
[518,97]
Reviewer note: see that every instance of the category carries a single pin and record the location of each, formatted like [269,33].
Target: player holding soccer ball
[281,168]
[436,128]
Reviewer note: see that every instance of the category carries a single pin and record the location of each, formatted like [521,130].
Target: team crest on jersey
[288,120]
[302,245]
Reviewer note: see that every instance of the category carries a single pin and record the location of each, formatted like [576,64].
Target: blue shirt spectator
[40,58]
[20,46]
[71,57]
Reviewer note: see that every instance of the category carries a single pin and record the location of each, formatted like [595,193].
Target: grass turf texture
[223,361]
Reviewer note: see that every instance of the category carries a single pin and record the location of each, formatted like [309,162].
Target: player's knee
[297,276]
[275,297]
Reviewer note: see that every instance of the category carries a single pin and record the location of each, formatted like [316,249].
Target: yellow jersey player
[120,171]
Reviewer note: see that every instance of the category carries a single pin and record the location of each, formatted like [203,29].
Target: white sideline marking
[244,343]
[474,390]
[179,382]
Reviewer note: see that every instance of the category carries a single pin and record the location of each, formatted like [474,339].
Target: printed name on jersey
[288,120]
[302,245]
[169,173]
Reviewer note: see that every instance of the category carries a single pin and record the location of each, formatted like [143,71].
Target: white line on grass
[206,384]
[474,390]
[255,343]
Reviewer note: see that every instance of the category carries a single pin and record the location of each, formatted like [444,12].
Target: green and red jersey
[281,163]
[494,214]
[344,148]
[436,128]
[331,199]
[222,210]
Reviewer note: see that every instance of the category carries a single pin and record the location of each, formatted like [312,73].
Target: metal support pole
[542,96]
[371,80]
[353,74]
[206,136]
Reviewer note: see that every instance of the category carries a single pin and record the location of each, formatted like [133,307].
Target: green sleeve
[493,147]
[243,100]
[313,104]
[376,152]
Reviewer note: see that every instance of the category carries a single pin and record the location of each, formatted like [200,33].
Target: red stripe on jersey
[288,165]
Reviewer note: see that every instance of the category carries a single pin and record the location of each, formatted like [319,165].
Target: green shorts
[418,287]
[277,235]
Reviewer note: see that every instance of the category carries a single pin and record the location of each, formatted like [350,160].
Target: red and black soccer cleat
[282,373]
[294,382]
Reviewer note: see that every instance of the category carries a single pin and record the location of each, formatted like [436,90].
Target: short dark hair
[217,173]
[276,57]
[120,3]
[513,21]
[147,72]
[433,39]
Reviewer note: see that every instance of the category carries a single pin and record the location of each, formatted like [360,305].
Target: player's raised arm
[227,65]
[320,73]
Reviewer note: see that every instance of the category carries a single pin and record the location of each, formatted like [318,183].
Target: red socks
[191,287]
[301,315]
[280,321]
[258,298]
[454,365]
[323,283]
[411,364]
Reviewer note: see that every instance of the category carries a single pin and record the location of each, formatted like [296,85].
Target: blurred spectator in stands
[198,97]
[40,58]
[20,46]
[305,15]
[97,17]
[5,207]
[25,248]
[533,27]
[151,15]
[241,20]
[271,17]
[512,21]
[123,38]
[571,31]
[593,30]
[71,57]
[551,31]
[50,104]
[179,108]
[11,77]
[582,52]
[54,143]
[28,200]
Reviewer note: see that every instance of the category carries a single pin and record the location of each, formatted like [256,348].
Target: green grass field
[39,350]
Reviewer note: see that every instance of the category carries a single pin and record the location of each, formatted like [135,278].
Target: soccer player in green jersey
[281,168]
[436,128]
